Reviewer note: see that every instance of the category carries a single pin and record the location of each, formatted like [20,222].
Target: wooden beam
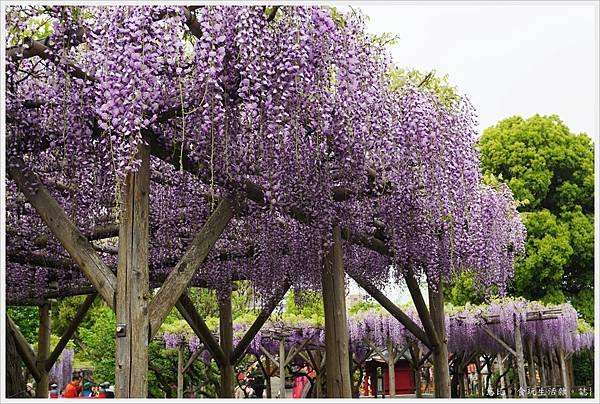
[336,325]
[132,294]
[282,367]
[421,307]
[498,339]
[531,366]
[78,247]
[192,358]
[190,314]
[182,274]
[68,333]
[269,355]
[393,309]
[24,349]
[43,349]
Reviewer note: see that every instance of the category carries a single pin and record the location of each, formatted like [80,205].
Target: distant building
[354,298]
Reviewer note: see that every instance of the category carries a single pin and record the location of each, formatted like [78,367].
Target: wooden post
[501,371]
[531,363]
[441,370]
[132,294]
[282,367]
[336,326]
[180,360]
[479,377]
[226,333]
[563,369]
[43,351]
[391,360]
[520,357]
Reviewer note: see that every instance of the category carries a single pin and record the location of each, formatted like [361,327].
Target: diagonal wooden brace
[262,317]
[24,349]
[180,277]
[78,247]
[68,334]
[189,313]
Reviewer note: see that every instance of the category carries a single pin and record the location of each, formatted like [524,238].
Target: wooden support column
[268,377]
[282,367]
[391,362]
[501,372]
[226,333]
[336,325]
[531,364]
[441,370]
[131,376]
[180,359]
[520,358]
[563,370]
[43,351]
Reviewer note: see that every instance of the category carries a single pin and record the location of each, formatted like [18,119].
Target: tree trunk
[132,292]
[441,370]
[41,387]
[226,332]
[336,326]
[15,383]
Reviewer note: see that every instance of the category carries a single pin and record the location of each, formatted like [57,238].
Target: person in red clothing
[72,389]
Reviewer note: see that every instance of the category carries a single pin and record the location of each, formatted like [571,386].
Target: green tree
[27,318]
[552,170]
[98,343]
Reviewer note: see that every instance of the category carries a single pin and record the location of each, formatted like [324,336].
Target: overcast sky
[509,59]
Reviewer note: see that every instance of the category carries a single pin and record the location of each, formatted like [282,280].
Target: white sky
[509,59]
